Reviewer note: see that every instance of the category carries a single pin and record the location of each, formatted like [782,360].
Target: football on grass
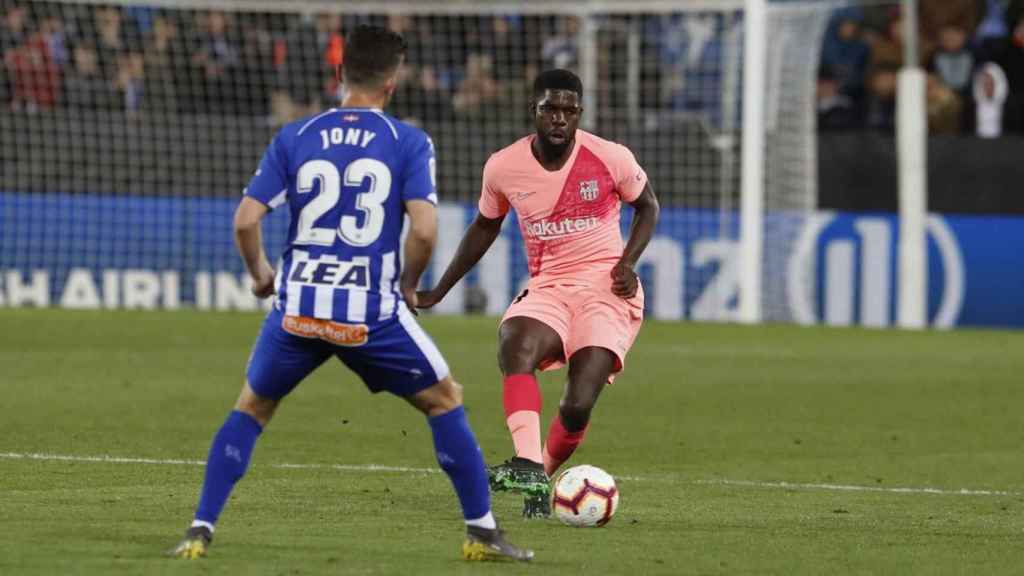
[584,496]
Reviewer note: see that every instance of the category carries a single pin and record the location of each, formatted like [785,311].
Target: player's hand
[263,282]
[411,297]
[427,298]
[624,280]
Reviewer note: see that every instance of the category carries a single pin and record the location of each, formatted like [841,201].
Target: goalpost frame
[755,48]
[912,141]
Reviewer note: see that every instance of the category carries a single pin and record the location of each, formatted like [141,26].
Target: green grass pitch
[738,450]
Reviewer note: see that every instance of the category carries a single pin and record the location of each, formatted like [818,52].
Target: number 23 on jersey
[370,202]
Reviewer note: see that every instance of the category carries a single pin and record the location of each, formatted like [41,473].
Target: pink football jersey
[569,218]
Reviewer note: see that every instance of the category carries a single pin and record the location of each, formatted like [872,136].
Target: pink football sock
[522,401]
[560,445]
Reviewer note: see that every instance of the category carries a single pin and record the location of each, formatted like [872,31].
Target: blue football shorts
[397,356]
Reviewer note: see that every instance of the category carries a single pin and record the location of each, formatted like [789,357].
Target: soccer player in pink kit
[583,304]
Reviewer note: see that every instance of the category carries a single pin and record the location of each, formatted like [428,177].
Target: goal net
[128,130]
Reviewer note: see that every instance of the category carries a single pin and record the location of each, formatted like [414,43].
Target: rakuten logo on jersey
[546,229]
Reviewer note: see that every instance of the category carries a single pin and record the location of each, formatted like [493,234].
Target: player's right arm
[248,239]
[477,239]
[266,190]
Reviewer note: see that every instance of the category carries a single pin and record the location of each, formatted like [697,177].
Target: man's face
[557,115]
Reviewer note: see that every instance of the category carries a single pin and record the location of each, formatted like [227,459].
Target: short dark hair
[557,79]
[372,54]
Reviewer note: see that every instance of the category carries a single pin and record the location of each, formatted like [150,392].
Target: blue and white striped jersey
[345,175]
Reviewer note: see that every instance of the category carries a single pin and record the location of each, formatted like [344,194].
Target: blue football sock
[226,463]
[460,458]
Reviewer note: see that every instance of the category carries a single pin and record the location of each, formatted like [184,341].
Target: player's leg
[402,359]
[459,456]
[589,371]
[231,451]
[531,337]
[278,363]
[524,344]
[603,330]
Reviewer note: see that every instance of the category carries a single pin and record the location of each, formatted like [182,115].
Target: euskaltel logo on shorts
[545,229]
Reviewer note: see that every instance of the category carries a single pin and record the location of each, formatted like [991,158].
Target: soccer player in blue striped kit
[348,176]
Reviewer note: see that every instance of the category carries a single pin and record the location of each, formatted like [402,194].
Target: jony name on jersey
[346,136]
[328,273]
[545,229]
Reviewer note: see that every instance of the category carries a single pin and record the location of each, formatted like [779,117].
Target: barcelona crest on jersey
[589,190]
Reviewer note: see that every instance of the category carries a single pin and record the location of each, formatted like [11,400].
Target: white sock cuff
[203,523]
[486,521]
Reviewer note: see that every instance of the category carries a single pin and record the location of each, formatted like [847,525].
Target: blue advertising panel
[94,251]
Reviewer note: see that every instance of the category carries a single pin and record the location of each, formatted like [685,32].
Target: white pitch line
[856,488]
[106,459]
[384,468]
[124,460]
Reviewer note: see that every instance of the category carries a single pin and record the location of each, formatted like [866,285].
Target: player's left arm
[419,196]
[645,219]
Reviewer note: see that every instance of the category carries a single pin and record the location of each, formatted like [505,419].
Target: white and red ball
[584,496]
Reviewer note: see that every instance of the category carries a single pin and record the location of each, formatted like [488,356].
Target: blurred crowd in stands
[972,51]
[281,66]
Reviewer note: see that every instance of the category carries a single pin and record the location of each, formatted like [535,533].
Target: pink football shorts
[583,315]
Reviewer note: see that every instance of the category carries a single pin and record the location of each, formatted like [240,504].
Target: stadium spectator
[109,40]
[989,39]
[874,21]
[938,15]
[311,51]
[560,50]
[836,109]
[215,60]
[130,81]
[702,86]
[944,107]
[13,30]
[508,50]
[990,92]
[479,89]
[35,71]
[140,19]
[420,97]
[1012,63]
[85,88]
[952,62]
[51,30]
[845,55]
[681,44]
[163,64]
[255,76]
[884,64]
[418,70]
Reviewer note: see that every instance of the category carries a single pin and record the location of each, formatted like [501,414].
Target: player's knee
[440,398]
[575,413]
[259,407]
[452,393]
[519,357]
